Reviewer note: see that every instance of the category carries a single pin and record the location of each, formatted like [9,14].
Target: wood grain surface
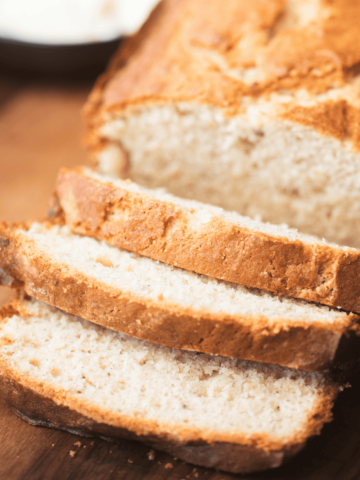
[41,130]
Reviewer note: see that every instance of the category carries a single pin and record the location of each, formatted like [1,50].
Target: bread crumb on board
[169,465]
[77,444]
[130,461]
[72,453]
[151,455]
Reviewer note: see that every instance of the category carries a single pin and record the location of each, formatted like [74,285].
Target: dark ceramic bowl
[63,61]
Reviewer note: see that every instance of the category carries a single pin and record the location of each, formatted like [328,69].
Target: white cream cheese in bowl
[71,21]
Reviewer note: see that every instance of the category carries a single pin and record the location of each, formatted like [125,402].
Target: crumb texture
[251,163]
[159,282]
[124,376]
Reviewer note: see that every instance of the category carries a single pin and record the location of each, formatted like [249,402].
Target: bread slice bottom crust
[39,410]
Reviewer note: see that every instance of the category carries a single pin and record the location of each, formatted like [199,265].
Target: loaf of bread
[238,416]
[170,306]
[250,105]
[208,240]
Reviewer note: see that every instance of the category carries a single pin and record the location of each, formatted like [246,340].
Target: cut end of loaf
[253,164]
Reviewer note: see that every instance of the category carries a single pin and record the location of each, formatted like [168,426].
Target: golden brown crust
[178,44]
[338,119]
[49,405]
[299,344]
[221,249]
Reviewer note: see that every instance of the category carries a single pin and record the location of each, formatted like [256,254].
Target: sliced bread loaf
[209,240]
[250,105]
[156,302]
[239,416]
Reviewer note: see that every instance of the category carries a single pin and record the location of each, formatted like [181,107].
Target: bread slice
[209,240]
[170,306]
[252,106]
[62,371]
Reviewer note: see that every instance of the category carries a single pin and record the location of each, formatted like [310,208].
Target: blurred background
[40,130]
[51,52]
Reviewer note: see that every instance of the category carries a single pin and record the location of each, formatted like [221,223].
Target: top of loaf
[300,56]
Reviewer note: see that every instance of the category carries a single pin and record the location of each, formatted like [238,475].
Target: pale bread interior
[253,163]
[121,375]
[159,282]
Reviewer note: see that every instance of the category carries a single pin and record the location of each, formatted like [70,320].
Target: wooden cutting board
[41,130]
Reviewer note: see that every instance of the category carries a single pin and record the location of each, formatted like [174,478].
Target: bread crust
[298,344]
[43,404]
[177,46]
[163,231]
